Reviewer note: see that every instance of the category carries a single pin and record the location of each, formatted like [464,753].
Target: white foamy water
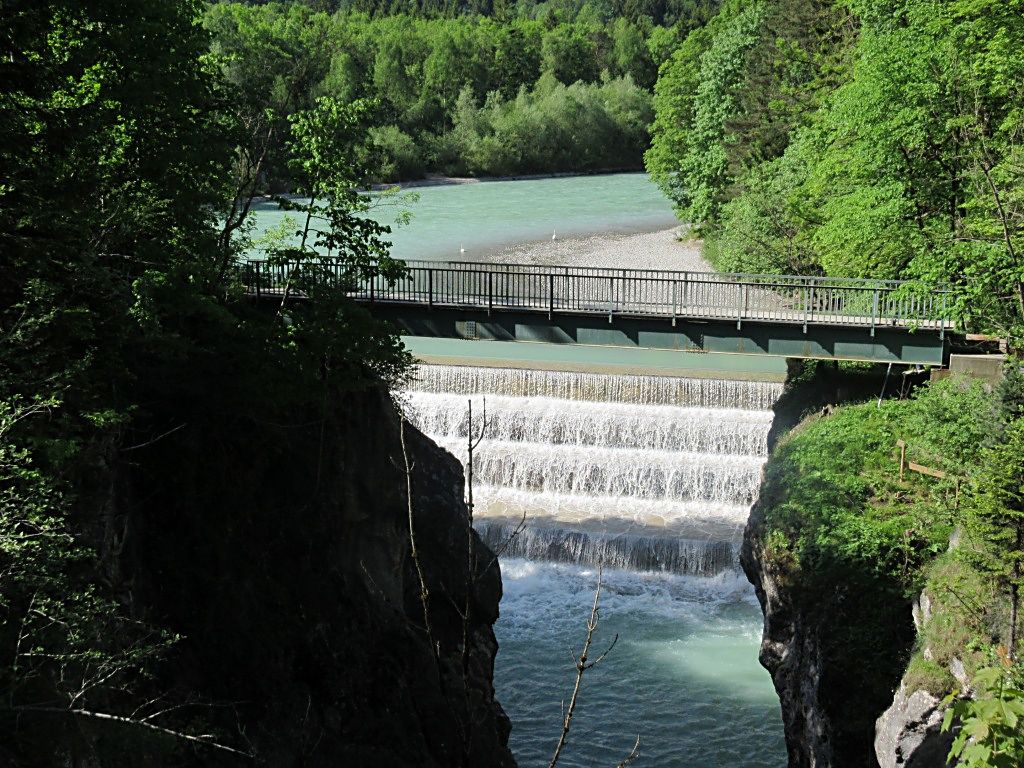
[600,387]
[558,421]
[704,519]
[617,472]
[653,478]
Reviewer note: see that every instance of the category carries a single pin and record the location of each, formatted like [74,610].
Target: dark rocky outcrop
[790,652]
[829,696]
[835,650]
[281,554]
[909,733]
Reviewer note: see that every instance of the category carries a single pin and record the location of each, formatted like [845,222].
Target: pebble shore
[664,249]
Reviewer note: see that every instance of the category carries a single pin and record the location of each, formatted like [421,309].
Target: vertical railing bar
[611,296]
[808,290]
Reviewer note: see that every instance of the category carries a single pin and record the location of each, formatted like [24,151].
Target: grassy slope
[856,545]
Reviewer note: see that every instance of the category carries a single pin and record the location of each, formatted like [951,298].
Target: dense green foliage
[836,497]
[126,165]
[686,13]
[857,138]
[465,95]
[990,722]
[855,543]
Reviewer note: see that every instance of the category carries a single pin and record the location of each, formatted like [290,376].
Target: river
[651,475]
[474,220]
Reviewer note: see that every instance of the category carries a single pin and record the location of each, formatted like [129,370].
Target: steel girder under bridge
[789,316]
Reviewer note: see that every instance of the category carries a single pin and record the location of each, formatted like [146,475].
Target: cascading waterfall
[598,387]
[648,473]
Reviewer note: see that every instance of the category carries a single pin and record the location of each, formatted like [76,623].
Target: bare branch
[608,650]
[633,754]
[424,592]
[205,739]
[155,439]
[582,665]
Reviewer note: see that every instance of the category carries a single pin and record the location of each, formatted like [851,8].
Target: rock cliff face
[821,729]
[790,652]
[281,553]
[908,734]
[807,622]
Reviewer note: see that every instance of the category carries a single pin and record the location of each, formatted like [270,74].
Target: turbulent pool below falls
[653,477]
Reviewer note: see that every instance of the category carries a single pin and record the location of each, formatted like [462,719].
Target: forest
[547,89]
[880,138]
[856,138]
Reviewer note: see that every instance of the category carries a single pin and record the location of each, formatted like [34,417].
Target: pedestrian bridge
[787,316]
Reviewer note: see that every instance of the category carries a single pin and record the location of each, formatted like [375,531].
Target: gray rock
[922,611]
[907,735]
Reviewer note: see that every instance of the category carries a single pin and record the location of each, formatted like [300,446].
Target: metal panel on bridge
[823,342]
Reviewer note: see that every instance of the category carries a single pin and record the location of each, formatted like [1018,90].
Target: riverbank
[662,249]
[440,180]
[482,222]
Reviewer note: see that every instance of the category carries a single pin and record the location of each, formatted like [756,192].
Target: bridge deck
[774,299]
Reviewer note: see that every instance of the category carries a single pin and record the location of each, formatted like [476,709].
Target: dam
[652,477]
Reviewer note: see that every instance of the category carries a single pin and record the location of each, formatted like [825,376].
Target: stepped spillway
[647,473]
[597,387]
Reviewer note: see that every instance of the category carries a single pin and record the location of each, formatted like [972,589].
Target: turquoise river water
[480,218]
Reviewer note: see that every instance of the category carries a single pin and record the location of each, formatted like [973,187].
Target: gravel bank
[645,250]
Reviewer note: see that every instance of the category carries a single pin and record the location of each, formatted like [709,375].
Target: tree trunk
[1015,575]
[1014,606]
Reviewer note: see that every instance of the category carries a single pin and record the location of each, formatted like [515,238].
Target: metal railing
[628,292]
